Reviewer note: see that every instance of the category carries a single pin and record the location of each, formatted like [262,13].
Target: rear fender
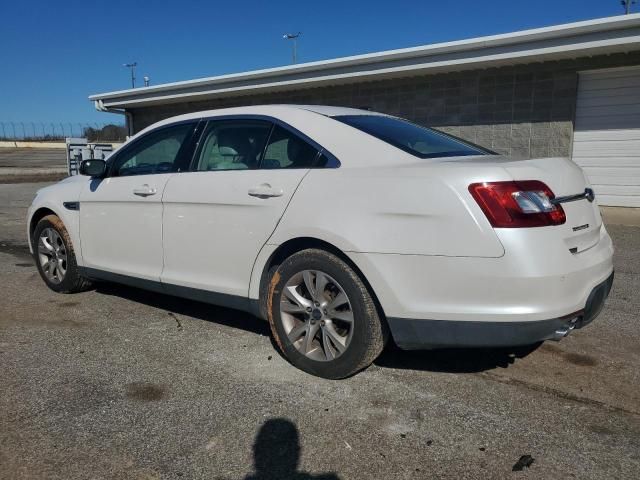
[407,211]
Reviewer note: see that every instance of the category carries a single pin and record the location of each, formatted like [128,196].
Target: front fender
[52,199]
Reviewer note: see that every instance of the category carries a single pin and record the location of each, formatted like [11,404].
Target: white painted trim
[600,36]
[613,69]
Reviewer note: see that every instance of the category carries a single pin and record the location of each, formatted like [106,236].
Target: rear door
[218,216]
[121,215]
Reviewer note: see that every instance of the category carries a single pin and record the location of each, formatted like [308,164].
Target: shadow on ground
[454,360]
[276,453]
[446,360]
[19,250]
[191,308]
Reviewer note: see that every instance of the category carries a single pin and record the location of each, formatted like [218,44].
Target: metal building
[567,90]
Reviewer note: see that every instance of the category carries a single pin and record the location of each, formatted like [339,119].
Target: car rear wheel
[322,315]
[55,258]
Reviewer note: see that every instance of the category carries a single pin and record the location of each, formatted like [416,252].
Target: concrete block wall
[523,111]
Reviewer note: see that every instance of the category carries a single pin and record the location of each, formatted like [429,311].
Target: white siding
[607,134]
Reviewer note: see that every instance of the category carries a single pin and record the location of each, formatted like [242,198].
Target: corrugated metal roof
[592,37]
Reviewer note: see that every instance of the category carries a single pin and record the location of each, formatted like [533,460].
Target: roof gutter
[100,106]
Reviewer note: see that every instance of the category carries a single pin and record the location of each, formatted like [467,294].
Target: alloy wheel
[316,315]
[52,255]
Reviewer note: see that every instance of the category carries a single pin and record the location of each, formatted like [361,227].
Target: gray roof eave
[610,35]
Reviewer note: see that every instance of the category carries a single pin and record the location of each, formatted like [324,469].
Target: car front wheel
[322,315]
[55,258]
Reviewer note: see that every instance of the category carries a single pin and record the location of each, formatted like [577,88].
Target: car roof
[275,110]
[330,111]
[315,121]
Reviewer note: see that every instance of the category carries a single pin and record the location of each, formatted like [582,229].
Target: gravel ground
[121,383]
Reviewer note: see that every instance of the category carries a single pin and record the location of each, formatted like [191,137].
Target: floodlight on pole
[132,67]
[294,37]
[627,5]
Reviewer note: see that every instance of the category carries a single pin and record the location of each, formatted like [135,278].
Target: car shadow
[453,360]
[469,360]
[190,308]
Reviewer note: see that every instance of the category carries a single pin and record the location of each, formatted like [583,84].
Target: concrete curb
[63,145]
[628,216]
[33,145]
[7,171]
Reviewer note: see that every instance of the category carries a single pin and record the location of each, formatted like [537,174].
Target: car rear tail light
[517,204]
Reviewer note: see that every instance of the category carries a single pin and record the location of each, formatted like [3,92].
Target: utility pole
[132,67]
[627,5]
[294,37]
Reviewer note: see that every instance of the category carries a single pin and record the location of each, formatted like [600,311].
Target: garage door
[607,134]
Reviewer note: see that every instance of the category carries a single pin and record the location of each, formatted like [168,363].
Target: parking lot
[121,383]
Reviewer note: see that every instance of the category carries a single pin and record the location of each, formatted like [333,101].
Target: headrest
[232,140]
[227,151]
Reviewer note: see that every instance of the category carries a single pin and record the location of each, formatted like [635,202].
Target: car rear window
[414,139]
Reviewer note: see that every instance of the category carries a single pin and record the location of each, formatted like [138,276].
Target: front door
[219,216]
[121,215]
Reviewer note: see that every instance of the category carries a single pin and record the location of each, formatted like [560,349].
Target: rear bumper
[415,334]
[532,281]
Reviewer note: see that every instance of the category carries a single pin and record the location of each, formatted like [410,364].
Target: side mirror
[93,168]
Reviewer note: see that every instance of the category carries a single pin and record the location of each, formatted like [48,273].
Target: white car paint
[214,214]
[409,225]
[109,211]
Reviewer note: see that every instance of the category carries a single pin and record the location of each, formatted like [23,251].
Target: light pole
[294,37]
[132,67]
[627,5]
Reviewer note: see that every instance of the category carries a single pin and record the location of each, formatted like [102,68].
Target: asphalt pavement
[32,157]
[21,165]
[121,383]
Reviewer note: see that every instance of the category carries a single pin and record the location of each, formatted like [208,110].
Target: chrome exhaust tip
[565,330]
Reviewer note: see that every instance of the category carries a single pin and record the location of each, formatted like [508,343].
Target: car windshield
[414,139]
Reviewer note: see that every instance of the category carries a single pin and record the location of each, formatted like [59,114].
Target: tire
[343,336]
[56,248]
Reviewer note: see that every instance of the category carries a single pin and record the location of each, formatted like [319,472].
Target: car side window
[287,150]
[232,145]
[156,152]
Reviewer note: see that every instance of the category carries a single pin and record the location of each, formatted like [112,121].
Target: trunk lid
[582,228]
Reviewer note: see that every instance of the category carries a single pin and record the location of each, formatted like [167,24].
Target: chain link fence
[58,131]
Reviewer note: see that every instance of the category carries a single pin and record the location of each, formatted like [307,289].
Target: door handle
[144,191]
[265,191]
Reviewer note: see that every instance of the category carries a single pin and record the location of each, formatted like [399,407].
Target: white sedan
[339,226]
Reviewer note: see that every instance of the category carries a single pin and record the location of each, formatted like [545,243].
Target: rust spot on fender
[270,295]
[55,220]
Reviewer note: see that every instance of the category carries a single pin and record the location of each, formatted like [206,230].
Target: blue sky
[56,53]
